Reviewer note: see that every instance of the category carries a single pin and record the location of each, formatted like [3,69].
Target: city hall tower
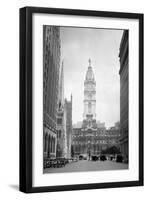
[89,95]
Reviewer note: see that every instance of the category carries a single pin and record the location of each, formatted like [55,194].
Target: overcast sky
[102,47]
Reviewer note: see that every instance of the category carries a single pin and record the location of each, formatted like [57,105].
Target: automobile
[75,159]
[83,157]
[126,160]
[46,163]
[69,160]
[112,157]
[119,158]
[61,162]
[103,158]
[49,163]
[94,158]
[80,157]
[54,163]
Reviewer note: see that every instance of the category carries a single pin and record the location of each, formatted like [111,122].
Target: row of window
[96,142]
[97,135]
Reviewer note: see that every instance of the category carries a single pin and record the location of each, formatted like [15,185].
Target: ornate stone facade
[93,141]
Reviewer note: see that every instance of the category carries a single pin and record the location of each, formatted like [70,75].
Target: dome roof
[89,73]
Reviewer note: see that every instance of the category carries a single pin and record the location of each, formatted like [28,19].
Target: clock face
[90,86]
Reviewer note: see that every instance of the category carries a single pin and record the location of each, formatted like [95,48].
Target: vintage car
[119,158]
[103,157]
[94,158]
[55,163]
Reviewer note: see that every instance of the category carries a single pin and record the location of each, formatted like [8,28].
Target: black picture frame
[26,96]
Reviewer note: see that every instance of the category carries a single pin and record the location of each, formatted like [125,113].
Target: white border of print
[40,179]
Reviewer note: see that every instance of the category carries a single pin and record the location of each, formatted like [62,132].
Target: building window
[59,121]
[89,107]
[59,134]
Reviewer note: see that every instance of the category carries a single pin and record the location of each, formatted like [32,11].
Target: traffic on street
[82,164]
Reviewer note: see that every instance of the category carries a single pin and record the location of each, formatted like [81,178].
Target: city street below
[85,165]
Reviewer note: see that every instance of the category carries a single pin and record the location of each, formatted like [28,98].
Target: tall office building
[51,67]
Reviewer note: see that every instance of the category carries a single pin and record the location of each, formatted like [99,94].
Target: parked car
[74,159]
[125,160]
[62,162]
[119,158]
[55,163]
[112,157]
[83,157]
[103,158]
[94,158]
[69,160]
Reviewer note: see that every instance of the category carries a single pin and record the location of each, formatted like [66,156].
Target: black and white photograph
[85,99]
[81,99]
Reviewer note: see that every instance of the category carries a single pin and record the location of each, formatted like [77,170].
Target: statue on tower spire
[89,62]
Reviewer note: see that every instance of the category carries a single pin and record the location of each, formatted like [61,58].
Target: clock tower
[89,114]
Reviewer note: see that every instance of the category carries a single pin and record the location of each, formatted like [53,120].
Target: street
[85,165]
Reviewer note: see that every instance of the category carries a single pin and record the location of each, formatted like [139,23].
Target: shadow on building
[124,91]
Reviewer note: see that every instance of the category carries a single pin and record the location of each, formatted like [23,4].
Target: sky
[102,47]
